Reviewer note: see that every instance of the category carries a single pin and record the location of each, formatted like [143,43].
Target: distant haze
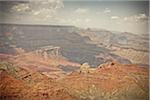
[129,16]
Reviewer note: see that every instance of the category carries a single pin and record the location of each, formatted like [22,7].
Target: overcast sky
[116,15]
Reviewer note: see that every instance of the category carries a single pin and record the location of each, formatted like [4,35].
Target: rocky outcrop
[49,52]
[34,86]
[85,68]
[111,81]
[11,87]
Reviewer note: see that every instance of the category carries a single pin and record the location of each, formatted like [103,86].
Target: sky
[115,15]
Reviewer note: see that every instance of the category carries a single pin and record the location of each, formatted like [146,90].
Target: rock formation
[48,52]
[85,67]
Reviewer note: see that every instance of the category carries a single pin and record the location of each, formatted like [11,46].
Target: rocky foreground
[110,81]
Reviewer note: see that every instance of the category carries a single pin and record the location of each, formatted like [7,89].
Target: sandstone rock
[85,68]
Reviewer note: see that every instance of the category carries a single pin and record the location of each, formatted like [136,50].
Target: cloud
[137,18]
[81,11]
[87,20]
[82,22]
[36,13]
[115,17]
[107,10]
[142,16]
[20,7]
[42,9]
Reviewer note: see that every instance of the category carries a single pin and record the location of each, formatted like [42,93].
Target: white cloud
[87,20]
[115,17]
[81,11]
[137,18]
[20,7]
[82,22]
[36,13]
[142,16]
[42,9]
[125,18]
[107,10]
[98,13]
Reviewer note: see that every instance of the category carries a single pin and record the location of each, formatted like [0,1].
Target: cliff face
[46,64]
[41,89]
[111,80]
[18,82]
[73,46]
[128,45]
[11,87]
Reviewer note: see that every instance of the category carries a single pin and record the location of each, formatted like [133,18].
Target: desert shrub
[132,93]
[9,67]
[92,93]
